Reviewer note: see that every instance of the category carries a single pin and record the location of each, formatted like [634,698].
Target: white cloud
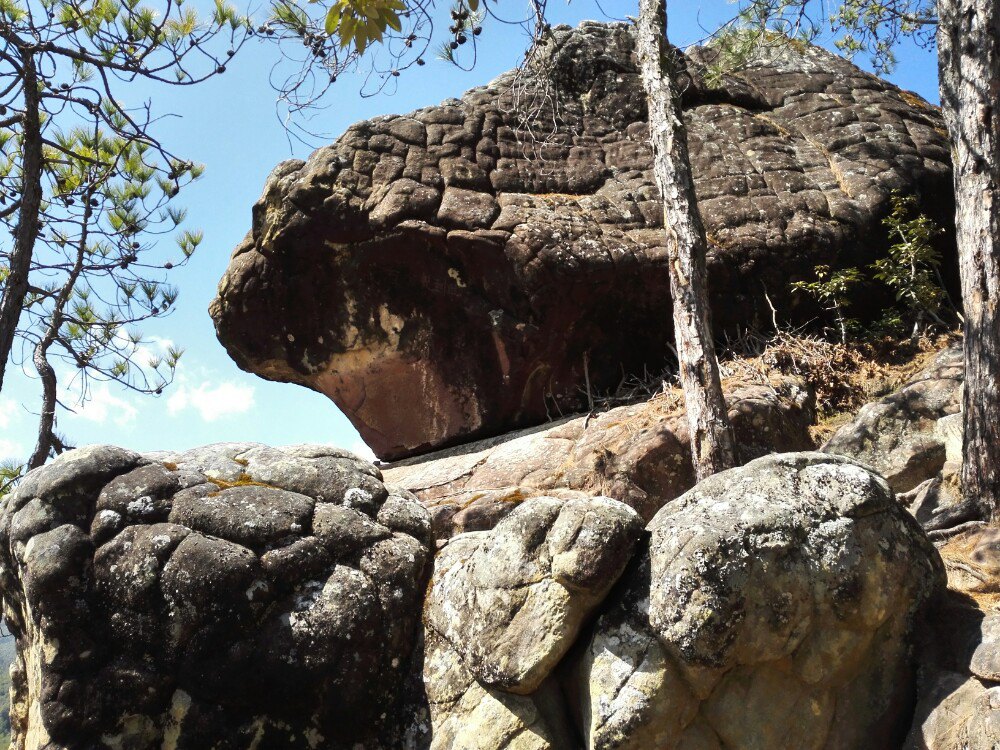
[102,405]
[8,413]
[361,450]
[156,347]
[212,401]
[11,449]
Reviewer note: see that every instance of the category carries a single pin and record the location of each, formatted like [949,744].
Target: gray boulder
[902,435]
[232,596]
[511,601]
[957,712]
[465,713]
[775,610]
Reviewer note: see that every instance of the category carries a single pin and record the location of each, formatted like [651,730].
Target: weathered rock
[466,714]
[446,275]
[957,713]
[231,596]
[511,602]
[900,435]
[775,609]
[985,660]
[638,454]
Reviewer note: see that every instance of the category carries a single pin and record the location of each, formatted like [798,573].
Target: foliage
[869,28]
[832,288]
[911,268]
[324,38]
[10,472]
[86,187]
[359,22]
[875,27]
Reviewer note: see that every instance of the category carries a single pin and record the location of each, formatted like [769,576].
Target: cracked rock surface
[775,609]
[444,275]
[913,437]
[512,601]
[181,601]
[231,596]
[638,454]
[899,435]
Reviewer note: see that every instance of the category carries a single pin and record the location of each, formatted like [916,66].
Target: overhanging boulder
[468,268]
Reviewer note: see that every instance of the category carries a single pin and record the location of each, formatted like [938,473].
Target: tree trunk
[16,285]
[969,69]
[40,357]
[712,445]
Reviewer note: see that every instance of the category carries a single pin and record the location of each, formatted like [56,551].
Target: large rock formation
[468,268]
[512,602]
[639,454]
[773,608]
[234,596]
[243,597]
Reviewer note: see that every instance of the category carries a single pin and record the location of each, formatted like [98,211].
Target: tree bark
[16,285]
[969,70]
[46,373]
[712,444]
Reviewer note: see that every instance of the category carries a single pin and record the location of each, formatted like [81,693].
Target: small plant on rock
[911,268]
[10,473]
[832,289]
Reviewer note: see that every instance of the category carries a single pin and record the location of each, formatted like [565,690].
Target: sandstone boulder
[775,609]
[957,713]
[464,713]
[231,596]
[638,454]
[466,269]
[511,601]
[901,435]
[959,705]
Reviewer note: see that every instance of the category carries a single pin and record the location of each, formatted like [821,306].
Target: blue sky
[230,125]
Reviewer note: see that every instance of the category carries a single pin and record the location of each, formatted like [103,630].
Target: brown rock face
[638,454]
[460,271]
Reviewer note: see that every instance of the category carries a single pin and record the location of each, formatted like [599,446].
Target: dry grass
[842,377]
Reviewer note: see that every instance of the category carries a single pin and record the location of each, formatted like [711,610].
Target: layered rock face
[234,596]
[639,454]
[474,267]
[239,596]
[913,437]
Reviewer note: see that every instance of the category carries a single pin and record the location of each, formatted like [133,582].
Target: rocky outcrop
[638,454]
[470,268]
[512,602]
[231,596]
[503,610]
[913,437]
[241,596]
[959,706]
[773,606]
[774,610]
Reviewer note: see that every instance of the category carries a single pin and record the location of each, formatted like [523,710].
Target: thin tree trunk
[969,68]
[16,285]
[46,420]
[712,445]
